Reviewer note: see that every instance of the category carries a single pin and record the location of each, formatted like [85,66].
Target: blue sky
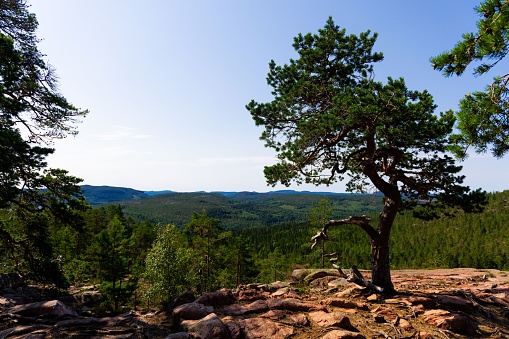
[166,82]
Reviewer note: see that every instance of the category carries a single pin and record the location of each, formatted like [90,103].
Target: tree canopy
[29,84]
[31,106]
[32,114]
[483,115]
[330,121]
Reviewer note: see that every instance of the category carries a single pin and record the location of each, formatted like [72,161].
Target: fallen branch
[355,276]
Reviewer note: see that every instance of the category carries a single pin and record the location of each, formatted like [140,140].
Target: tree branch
[362,222]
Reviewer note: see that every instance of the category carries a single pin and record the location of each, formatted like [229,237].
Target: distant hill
[244,209]
[97,195]
[151,193]
[234,209]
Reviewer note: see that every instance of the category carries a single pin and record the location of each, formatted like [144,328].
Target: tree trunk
[380,265]
[380,254]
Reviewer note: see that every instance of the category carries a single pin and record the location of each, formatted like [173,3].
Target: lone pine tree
[329,121]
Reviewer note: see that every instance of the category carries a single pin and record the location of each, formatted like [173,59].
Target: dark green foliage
[35,198]
[27,248]
[465,240]
[109,249]
[483,115]
[206,237]
[318,216]
[112,258]
[291,243]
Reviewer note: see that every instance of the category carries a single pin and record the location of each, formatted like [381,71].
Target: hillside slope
[244,209]
[97,195]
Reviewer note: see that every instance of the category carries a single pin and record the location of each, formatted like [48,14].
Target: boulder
[387,314]
[183,298]
[261,328]
[454,302]
[344,303]
[88,298]
[335,319]
[299,275]
[24,331]
[254,307]
[300,319]
[53,307]
[448,321]
[280,292]
[84,322]
[316,274]
[191,311]
[217,298]
[179,335]
[251,295]
[208,327]
[338,282]
[405,324]
[411,300]
[322,282]
[276,285]
[274,314]
[233,327]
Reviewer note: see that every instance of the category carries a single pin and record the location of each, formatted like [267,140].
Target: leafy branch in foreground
[483,118]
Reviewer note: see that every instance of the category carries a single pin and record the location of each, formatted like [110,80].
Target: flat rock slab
[335,319]
[53,307]
[340,334]
[263,328]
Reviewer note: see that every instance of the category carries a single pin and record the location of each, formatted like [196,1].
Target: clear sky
[166,81]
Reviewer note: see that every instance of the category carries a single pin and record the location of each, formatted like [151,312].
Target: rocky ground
[457,303]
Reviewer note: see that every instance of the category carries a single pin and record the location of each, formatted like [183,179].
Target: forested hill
[244,209]
[97,195]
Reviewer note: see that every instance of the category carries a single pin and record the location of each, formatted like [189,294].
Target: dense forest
[244,209]
[465,240]
[125,255]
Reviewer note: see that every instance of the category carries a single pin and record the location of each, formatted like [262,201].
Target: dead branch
[334,258]
[362,222]
[355,276]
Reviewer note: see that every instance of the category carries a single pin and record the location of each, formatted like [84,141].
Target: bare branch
[362,222]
